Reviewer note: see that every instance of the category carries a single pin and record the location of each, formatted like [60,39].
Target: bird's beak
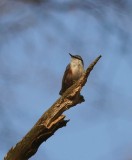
[71,55]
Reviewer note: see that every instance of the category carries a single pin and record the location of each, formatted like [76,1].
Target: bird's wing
[67,80]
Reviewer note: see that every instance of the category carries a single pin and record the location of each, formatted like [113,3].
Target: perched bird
[73,72]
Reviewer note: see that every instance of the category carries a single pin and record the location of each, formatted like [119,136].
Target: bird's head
[77,58]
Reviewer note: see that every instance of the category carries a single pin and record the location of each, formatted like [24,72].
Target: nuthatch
[73,72]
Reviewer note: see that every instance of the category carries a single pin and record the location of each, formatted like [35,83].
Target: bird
[73,72]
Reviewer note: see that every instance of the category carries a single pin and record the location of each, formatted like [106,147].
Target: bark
[50,121]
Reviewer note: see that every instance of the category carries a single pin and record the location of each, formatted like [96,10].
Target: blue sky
[35,43]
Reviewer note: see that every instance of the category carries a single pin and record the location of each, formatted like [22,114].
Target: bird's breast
[77,71]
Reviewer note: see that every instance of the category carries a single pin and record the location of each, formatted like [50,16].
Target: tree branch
[50,121]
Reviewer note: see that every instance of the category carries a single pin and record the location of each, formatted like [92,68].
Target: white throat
[77,68]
